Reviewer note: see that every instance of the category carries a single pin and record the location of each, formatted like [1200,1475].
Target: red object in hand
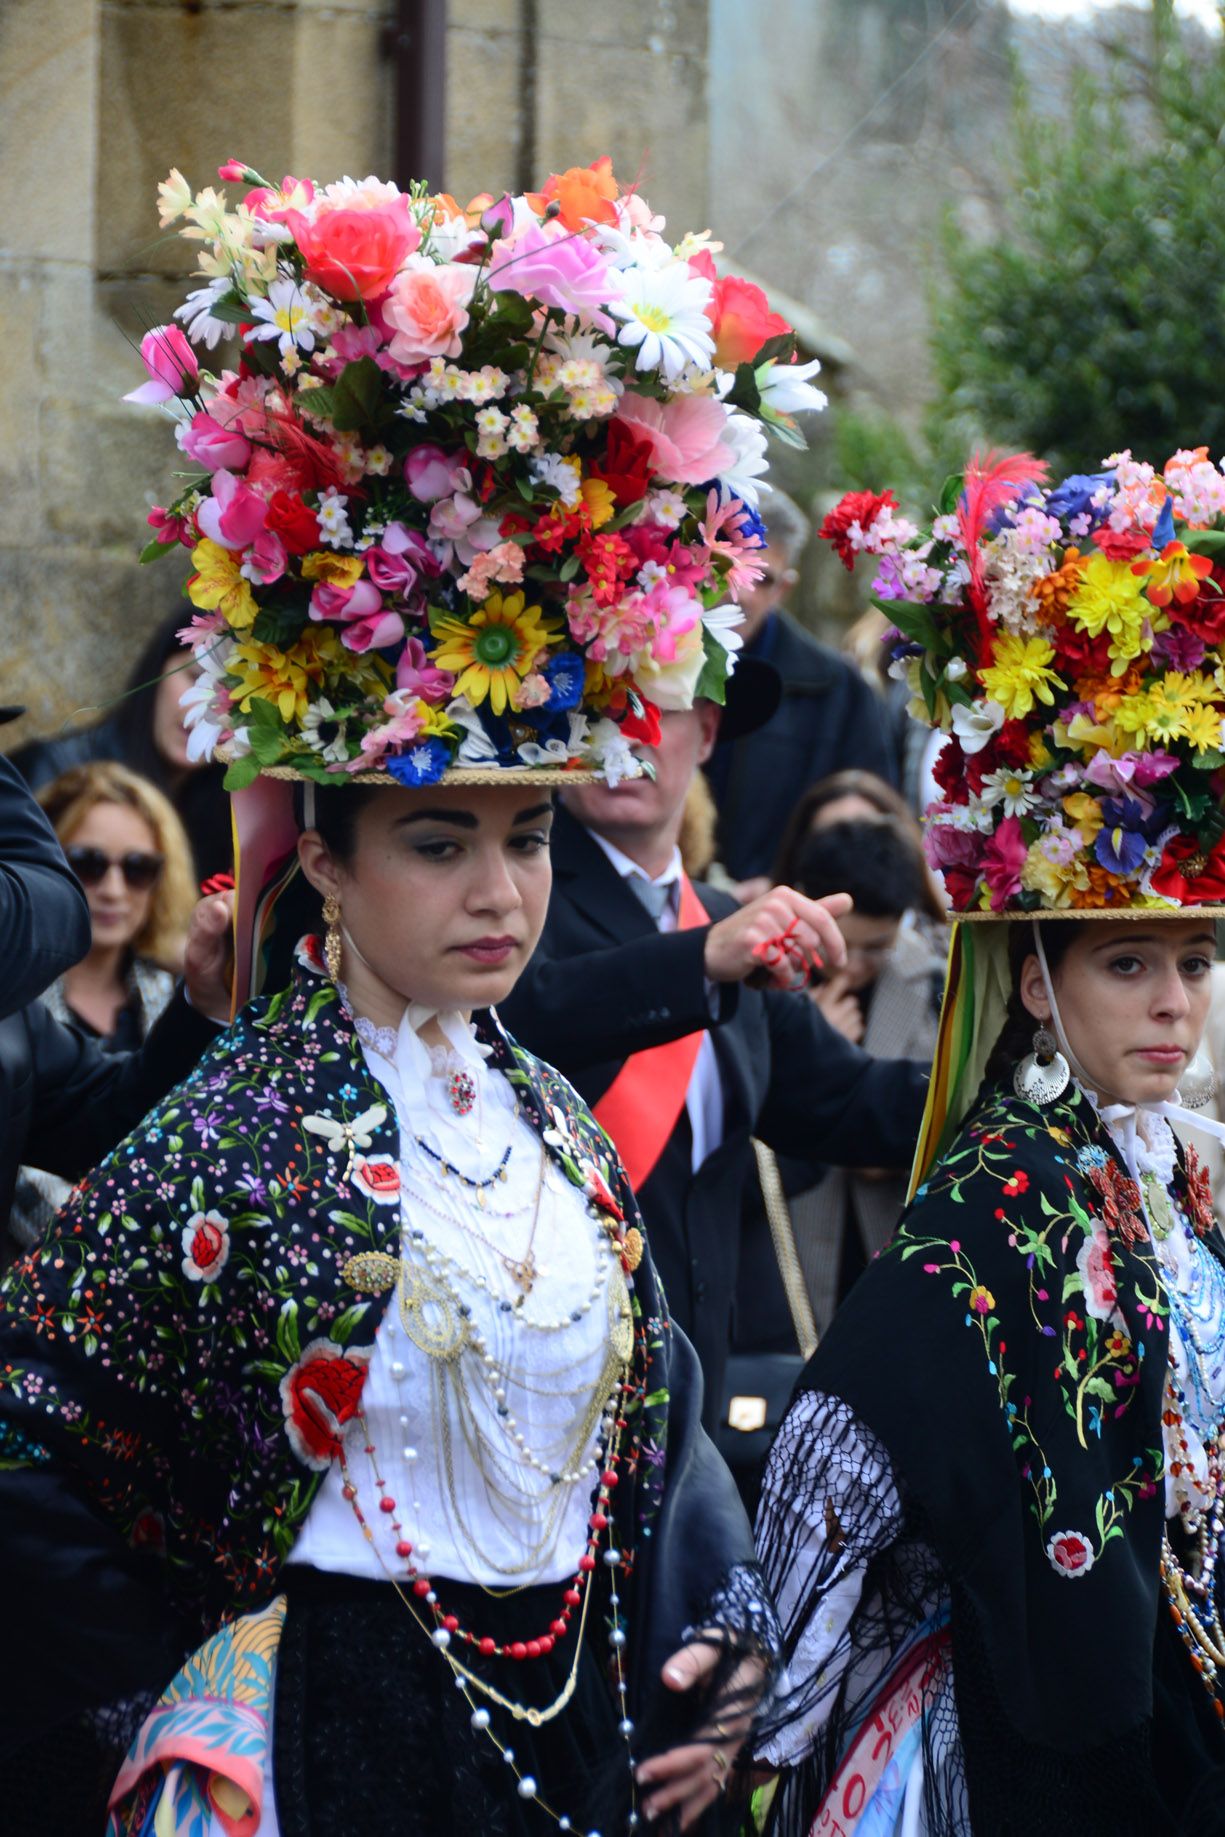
[788,964]
[217,883]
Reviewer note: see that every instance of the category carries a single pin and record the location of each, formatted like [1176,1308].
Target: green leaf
[779,350]
[915,621]
[280,625]
[287,1333]
[153,551]
[712,683]
[359,399]
[1209,761]
[231,311]
[344,1324]
[241,773]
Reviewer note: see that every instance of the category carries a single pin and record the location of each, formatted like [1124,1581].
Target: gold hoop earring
[331,936]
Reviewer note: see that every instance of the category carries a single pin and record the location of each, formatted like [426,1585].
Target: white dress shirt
[704,1098]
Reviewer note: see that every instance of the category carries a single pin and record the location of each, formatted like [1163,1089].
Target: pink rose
[397,563]
[458,520]
[430,473]
[233,516]
[685,435]
[353,251]
[212,445]
[546,262]
[171,364]
[266,559]
[427,309]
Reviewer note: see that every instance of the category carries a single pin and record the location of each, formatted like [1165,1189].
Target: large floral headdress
[481,493]
[1068,639]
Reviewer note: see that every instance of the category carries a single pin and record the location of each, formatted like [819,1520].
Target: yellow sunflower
[493,650]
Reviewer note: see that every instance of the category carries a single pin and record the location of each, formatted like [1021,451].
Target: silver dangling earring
[1197,1086]
[1043,1075]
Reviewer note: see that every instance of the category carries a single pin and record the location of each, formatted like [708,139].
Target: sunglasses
[91,866]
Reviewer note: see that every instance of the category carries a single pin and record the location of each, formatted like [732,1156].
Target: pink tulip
[378,633]
[211,445]
[366,625]
[397,563]
[431,473]
[171,364]
[419,677]
[233,516]
[267,559]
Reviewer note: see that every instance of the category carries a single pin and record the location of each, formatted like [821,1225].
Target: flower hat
[1069,639]
[479,493]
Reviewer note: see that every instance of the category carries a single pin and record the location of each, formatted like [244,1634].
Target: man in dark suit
[829,718]
[611,981]
[44,920]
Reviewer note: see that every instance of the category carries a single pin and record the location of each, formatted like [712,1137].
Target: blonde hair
[697,834]
[69,799]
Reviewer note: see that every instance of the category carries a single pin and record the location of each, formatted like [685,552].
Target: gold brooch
[371,1272]
[632,1248]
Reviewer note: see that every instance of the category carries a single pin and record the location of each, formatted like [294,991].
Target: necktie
[655,895]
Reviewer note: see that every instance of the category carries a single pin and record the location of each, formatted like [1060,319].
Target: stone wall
[99,98]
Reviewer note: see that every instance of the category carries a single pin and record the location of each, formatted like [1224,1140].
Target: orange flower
[1174,575]
[1104,889]
[583,192]
[1054,591]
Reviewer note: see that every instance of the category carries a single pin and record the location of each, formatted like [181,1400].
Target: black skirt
[372,1734]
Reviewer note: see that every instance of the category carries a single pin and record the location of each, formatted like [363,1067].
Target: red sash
[642,1105]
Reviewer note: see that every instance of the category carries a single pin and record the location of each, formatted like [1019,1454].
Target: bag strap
[782,1236]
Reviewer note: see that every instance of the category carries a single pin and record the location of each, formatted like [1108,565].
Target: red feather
[991,481]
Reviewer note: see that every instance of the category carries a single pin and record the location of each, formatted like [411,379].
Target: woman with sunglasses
[129,851]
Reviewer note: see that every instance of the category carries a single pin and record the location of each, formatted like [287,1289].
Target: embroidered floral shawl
[1008,1350]
[188,1344]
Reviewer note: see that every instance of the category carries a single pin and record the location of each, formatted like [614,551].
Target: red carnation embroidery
[319,1395]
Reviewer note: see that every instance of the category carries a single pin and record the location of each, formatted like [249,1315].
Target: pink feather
[991,481]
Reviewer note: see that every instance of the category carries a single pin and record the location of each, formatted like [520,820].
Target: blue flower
[1091,1156]
[565,675]
[751,525]
[422,764]
[1120,850]
[1163,528]
[1074,497]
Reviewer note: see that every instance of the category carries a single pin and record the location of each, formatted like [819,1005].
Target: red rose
[319,1395]
[205,1241]
[626,466]
[644,726]
[1011,743]
[862,507]
[294,522]
[1070,1554]
[1189,874]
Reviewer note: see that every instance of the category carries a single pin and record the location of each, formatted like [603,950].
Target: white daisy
[196,313]
[744,479]
[324,733]
[664,310]
[288,315]
[332,511]
[723,623]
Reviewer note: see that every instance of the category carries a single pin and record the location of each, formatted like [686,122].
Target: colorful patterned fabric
[202,1751]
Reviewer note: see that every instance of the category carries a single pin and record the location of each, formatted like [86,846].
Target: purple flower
[1178,650]
[208,1126]
[1119,850]
[1074,497]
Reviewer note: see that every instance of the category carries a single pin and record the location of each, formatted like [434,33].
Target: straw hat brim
[509,775]
[1087,913]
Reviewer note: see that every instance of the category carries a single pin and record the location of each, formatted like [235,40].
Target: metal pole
[419,47]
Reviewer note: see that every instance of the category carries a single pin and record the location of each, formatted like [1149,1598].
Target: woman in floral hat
[994,1513]
[352,1360]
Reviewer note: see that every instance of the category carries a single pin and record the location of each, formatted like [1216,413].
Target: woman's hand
[687,1780]
[207,959]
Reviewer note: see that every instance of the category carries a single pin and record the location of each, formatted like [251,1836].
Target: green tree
[1096,320]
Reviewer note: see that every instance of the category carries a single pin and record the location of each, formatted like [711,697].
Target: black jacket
[829,720]
[604,983]
[44,920]
[65,1102]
